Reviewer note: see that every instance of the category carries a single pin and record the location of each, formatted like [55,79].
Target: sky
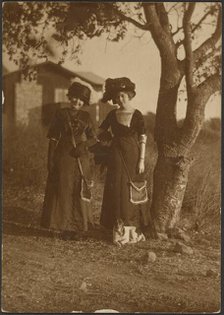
[135,58]
[130,58]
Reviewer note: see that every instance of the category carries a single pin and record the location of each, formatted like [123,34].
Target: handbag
[138,193]
[86,185]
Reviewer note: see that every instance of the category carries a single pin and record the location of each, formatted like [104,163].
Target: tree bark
[170,180]
[171,172]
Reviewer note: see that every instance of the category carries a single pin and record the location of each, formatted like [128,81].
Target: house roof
[89,77]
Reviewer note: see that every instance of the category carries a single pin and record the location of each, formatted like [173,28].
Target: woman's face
[76,103]
[123,99]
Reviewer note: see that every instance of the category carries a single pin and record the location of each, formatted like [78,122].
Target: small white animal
[125,234]
[135,236]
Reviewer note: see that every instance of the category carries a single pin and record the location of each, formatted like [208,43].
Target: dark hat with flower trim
[113,86]
[81,91]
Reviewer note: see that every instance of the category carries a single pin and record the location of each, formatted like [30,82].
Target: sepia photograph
[111,157]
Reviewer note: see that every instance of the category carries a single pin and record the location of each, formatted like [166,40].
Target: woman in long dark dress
[63,208]
[127,126]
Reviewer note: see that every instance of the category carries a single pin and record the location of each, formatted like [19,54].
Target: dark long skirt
[116,202]
[62,203]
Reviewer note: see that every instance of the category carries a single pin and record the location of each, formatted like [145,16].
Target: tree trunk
[174,146]
[170,180]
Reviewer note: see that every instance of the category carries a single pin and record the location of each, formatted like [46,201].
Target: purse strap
[74,143]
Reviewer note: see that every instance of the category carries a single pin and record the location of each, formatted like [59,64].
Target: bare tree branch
[209,86]
[163,17]
[196,106]
[177,31]
[139,16]
[179,43]
[210,42]
[199,95]
[195,112]
[201,20]
[189,64]
[163,40]
[152,18]
[178,17]
[145,27]
[196,26]
[173,7]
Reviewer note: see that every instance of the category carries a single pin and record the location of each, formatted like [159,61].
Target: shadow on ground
[18,221]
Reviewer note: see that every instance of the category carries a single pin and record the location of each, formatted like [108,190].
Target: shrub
[203,193]
[25,156]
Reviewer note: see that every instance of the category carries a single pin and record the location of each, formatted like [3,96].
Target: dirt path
[45,274]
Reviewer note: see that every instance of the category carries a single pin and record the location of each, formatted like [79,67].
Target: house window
[60,95]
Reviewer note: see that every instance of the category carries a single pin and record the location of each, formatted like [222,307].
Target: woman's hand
[105,143]
[141,166]
[105,136]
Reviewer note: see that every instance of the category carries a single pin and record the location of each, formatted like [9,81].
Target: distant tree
[210,131]
[187,53]
[214,124]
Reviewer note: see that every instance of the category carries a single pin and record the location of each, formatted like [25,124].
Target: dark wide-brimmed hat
[79,90]
[113,86]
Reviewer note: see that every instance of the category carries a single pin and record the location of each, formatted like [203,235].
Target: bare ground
[42,273]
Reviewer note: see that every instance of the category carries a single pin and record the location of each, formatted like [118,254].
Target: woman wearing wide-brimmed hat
[63,205]
[127,156]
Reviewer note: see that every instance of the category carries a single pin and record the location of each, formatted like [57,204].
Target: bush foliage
[24,156]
